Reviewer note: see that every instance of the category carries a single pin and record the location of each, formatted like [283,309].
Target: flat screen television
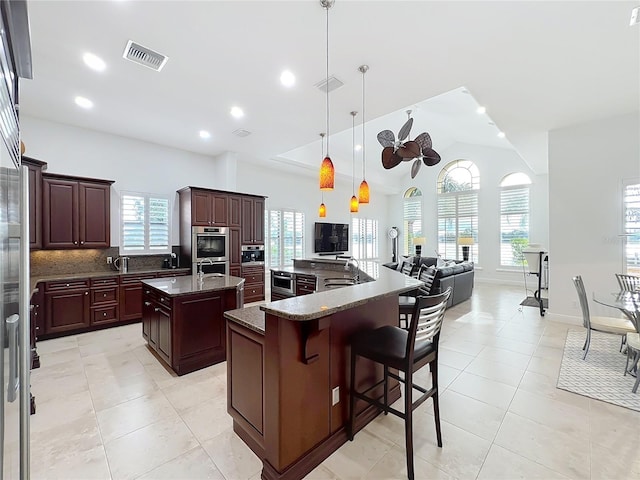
[331,237]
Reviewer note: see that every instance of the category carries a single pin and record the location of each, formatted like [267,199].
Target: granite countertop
[250,317]
[368,271]
[192,284]
[386,282]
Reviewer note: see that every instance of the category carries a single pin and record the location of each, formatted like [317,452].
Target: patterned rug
[601,375]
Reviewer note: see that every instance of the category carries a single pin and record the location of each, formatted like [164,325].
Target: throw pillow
[440,263]
[450,263]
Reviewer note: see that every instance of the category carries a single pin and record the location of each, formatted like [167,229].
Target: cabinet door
[35,206]
[235,211]
[247,221]
[163,346]
[235,255]
[258,221]
[219,209]
[235,272]
[149,319]
[67,310]
[94,215]
[59,213]
[200,208]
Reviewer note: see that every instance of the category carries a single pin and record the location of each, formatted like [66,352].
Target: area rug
[532,302]
[601,375]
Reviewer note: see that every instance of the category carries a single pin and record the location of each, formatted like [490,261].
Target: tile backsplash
[54,262]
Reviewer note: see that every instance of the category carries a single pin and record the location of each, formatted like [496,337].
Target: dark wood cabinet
[75,212]
[253,284]
[305,284]
[208,208]
[105,293]
[235,211]
[235,247]
[66,306]
[131,296]
[35,200]
[235,271]
[37,324]
[252,221]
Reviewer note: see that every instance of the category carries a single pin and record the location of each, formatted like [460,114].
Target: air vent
[241,133]
[144,56]
[333,83]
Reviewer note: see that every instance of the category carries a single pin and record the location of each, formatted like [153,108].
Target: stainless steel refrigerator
[15,363]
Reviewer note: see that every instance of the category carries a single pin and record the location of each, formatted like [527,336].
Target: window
[631,208]
[364,238]
[145,225]
[514,218]
[458,208]
[412,218]
[285,237]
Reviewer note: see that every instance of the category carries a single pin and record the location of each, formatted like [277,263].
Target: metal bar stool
[405,351]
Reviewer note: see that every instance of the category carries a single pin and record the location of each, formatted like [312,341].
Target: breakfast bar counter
[288,369]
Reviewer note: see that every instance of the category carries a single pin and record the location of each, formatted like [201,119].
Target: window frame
[360,250]
[147,248]
[627,227]
[298,237]
[510,183]
[412,196]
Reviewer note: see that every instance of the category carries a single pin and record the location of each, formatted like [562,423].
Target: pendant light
[363,191]
[327,172]
[353,205]
[322,210]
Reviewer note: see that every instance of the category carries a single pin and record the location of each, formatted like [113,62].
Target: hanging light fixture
[363,191]
[322,210]
[353,205]
[327,172]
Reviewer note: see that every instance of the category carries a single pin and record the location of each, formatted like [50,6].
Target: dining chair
[617,326]
[405,351]
[633,358]
[407,302]
[628,283]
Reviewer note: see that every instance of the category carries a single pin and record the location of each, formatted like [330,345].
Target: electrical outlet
[109,260]
[336,396]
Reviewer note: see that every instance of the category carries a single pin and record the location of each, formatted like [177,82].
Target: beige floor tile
[147,448]
[120,365]
[48,359]
[618,461]
[393,466]
[500,372]
[545,385]
[561,452]
[462,346]
[79,465]
[453,358]
[54,384]
[319,473]
[471,415]
[208,419]
[518,346]
[130,416]
[113,391]
[545,351]
[545,366]
[61,411]
[355,459]
[508,357]
[56,344]
[501,464]
[184,396]
[193,465]
[612,426]
[232,457]
[161,374]
[483,389]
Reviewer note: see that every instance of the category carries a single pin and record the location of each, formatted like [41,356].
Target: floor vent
[241,133]
[333,83]
[144,56]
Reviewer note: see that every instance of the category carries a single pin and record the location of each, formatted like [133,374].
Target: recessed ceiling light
[237,112]
[83,102]
[94,62]
[204,134]
[358,148]
[501,135]
[287,78]
[481,110]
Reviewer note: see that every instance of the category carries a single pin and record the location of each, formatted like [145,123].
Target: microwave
[252,255]
[210,243]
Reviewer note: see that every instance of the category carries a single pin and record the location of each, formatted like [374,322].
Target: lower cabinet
[66,306]
[156,324]
[254,284]
[131,296]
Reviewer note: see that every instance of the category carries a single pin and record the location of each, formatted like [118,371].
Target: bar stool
[406,351]
[406,303]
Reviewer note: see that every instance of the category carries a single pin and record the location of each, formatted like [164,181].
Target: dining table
[628,302]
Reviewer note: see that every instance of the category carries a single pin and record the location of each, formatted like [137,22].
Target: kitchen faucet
[357,265]
[200,272]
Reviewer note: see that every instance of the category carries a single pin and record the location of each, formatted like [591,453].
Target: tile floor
[108,410]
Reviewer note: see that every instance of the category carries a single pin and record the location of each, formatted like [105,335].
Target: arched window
[458,183]
[412,218]
[514,218]
[631,211]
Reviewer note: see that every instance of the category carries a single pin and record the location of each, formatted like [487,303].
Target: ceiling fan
[403,150]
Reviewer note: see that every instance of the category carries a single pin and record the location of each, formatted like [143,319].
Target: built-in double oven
[210,249]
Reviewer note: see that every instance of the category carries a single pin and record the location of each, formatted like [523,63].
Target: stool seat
[388,345]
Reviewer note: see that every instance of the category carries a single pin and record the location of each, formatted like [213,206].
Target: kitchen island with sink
[182,318]
[288,365]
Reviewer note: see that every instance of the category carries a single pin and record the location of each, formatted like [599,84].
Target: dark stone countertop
[187,285]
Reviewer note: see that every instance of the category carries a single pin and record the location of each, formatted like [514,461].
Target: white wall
[586,166]
[493,164]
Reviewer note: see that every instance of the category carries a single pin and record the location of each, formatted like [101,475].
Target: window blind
[457,216]
[631,207]
[514,224]
[145,224]
[412,221]
[286,237]
[364,239]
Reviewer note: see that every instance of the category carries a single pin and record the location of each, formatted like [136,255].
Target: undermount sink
[339,281]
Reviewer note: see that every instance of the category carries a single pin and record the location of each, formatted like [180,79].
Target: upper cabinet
[35,200]
[208,208]
[75,212]
[253,221]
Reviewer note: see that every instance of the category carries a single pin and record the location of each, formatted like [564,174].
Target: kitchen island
[182,318]
[288,368]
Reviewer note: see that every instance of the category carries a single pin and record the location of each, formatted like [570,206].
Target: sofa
[456,274]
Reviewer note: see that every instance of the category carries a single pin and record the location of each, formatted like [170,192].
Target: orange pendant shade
[363,192]
[354,204]
[327,174]
[322,211]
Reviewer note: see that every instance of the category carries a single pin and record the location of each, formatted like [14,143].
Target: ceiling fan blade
[430,157]
[386,138]
[409,150]
[415,168]
[424,140]
[405,130]
[390,159]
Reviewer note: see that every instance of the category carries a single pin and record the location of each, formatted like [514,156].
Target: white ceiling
[536,66]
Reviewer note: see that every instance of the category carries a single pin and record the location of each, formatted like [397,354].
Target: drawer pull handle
[104,314]
[104,295]
[147,303]
[156,309]
[86,293]
[67,284]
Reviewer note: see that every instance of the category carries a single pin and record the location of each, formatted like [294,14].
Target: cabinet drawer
[253,278]
[66,284]
[165,302]
[129,279]
[104,282]
[305,289]
[104,314]
[306,280]
[172,274]
[104,295]
[251,291]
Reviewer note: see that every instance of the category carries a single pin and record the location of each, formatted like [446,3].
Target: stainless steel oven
[252,255]
[283,283]
[210,243]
